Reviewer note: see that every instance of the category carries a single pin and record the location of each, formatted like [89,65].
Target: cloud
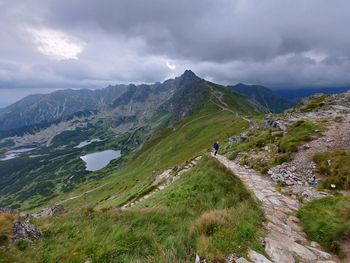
[170,65]
[277,43]
[56,44]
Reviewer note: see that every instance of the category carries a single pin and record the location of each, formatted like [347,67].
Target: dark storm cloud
[272,42]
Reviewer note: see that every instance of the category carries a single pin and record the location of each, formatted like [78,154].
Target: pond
[98,160]
[15,153]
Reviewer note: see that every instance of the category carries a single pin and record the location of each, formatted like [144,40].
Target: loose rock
[24,231]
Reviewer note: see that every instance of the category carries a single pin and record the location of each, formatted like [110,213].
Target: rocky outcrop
[275,123]
[51,211]
[25,231]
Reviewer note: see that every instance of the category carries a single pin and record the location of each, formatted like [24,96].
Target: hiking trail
[285,242]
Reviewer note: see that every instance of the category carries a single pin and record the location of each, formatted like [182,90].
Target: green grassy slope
[167,148]
[207,211]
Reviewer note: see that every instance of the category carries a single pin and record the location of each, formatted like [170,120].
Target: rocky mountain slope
[36,109]
[265,96]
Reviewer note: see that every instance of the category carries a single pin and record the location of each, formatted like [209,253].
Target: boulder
[24,231]
[256,257]
[51,211]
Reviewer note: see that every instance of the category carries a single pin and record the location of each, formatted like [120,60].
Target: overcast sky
[52,44]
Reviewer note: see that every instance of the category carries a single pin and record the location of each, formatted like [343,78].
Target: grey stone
[242,260]
[255,257]
[24,231]
[51,211]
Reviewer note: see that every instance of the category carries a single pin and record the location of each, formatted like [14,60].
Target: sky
[54,44]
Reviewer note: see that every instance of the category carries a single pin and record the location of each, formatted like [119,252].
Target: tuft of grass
[300,132]
[334,166]
[327,221]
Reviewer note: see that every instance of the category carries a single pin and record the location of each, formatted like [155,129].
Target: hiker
[216,148]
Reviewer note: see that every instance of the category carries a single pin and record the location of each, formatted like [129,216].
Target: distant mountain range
[265,96]
[177,96]
[295,95]
[35,112]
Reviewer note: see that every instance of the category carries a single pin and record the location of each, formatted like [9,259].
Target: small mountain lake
[15,153]
[87,142]
[98,160]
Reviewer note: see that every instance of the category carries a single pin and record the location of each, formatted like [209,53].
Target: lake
[98,160]
[15,153]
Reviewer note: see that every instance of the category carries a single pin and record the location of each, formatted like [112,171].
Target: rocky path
[285,242]
[162,181]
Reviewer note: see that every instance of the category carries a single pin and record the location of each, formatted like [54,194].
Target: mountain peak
[189,76]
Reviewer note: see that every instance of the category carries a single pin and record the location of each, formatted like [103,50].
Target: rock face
[24,231]
[53,210]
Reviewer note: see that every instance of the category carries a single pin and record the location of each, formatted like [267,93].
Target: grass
[207,211]
[327,221]
[299,132]
[6,221]
[334,166]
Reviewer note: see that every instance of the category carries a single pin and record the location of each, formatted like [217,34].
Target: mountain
[296,95]
[35,109]
[265,96]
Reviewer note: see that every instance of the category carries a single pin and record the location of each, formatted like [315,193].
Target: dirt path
[285,242]
[78,196]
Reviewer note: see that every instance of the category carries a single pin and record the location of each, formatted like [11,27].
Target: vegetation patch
[327,221]
[334,166]
[207,211]
[299,132]
[266,148]
[313,104]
